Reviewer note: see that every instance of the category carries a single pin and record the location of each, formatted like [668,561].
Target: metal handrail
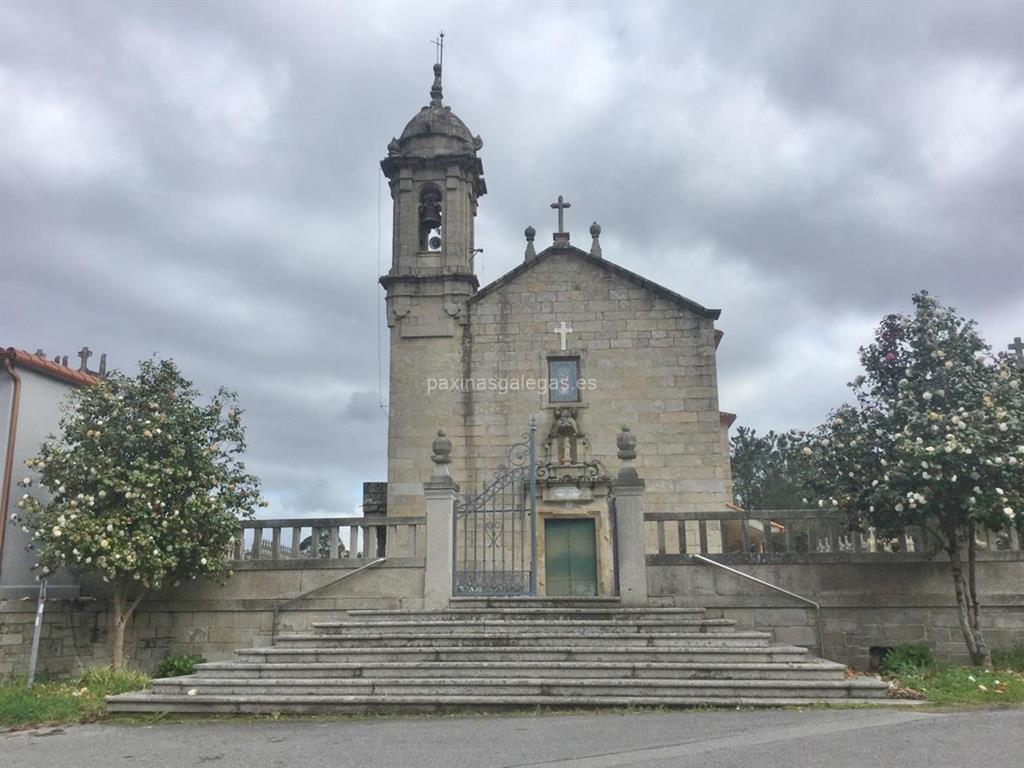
[280,606]
[817,606]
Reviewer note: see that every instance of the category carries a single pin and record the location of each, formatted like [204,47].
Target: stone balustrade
[810,534]
[331,538]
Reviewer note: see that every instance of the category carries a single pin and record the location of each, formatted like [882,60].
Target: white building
[32,389]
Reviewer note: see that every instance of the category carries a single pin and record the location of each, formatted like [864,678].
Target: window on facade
[563,379]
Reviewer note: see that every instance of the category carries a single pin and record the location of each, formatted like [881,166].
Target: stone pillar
[440,492]
[628,490]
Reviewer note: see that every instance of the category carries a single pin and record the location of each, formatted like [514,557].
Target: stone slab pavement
[710,739]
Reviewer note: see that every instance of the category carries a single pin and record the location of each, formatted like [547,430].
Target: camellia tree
[146,487]
[935,439]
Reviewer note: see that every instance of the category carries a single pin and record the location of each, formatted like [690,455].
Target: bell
[431,218]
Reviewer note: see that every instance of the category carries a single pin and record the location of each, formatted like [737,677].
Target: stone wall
[866,602]
[204,619]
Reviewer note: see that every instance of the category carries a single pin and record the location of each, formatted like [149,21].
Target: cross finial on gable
[561,236]
[560,206]
[1017,347]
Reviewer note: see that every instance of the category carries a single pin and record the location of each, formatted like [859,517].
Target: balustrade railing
[331,538]
[808,532]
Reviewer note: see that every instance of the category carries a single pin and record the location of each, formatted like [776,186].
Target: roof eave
[41,365]
[666,293]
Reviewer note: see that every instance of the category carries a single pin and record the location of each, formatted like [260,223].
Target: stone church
[568,339]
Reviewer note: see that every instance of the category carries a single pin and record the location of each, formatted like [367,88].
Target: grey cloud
[200,179]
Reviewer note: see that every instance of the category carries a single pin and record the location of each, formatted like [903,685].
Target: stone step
[535,602]
[309,704]
[533,640]
[812,670]
[521,626]
[507,654]
[527,613]
[568,687]
[498,653]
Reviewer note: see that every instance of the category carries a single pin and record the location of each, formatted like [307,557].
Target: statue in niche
[564,438]
[568,452]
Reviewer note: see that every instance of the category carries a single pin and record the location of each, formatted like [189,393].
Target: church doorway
[570,557]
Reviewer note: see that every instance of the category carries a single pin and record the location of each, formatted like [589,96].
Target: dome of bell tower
[435,130]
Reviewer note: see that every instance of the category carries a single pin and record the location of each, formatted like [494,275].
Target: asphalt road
[710,739]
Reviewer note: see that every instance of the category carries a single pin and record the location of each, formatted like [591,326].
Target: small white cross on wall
[563,331]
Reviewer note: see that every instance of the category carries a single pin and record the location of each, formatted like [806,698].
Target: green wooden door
[570,558]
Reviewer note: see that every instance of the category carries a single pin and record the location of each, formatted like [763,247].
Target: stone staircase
[493,654]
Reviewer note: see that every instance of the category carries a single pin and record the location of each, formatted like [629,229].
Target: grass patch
[951,685]
[69,701]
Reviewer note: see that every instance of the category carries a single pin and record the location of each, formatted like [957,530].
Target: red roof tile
[40,364]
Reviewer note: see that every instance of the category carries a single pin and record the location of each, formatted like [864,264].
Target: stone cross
[84,354]
[563,330]
[1017,347]
[560,206]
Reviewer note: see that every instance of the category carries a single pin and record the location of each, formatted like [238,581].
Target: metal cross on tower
[560,206]
[439,43]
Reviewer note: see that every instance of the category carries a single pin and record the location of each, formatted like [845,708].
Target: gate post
[440,493]
[628,490]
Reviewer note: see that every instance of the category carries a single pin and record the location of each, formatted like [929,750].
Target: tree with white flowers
[935,439]
[146,487]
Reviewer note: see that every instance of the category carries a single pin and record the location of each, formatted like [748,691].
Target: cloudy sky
[200,180]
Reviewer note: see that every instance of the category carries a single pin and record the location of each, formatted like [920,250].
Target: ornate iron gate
[496,530]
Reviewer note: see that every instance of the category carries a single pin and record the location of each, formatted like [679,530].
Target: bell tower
[435,179]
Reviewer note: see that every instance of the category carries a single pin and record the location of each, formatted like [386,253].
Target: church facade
[568,341]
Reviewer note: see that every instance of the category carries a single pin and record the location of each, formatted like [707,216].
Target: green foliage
[146,484]
[762,474]
[911,657]
[952,685]
[178,666]
[80,700]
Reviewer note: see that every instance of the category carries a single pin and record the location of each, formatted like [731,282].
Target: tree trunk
[121,614]
[972,576]
[976,646]
[984,654]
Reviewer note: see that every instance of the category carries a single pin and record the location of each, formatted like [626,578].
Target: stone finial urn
[626,442]
[442,450]
[530,233]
